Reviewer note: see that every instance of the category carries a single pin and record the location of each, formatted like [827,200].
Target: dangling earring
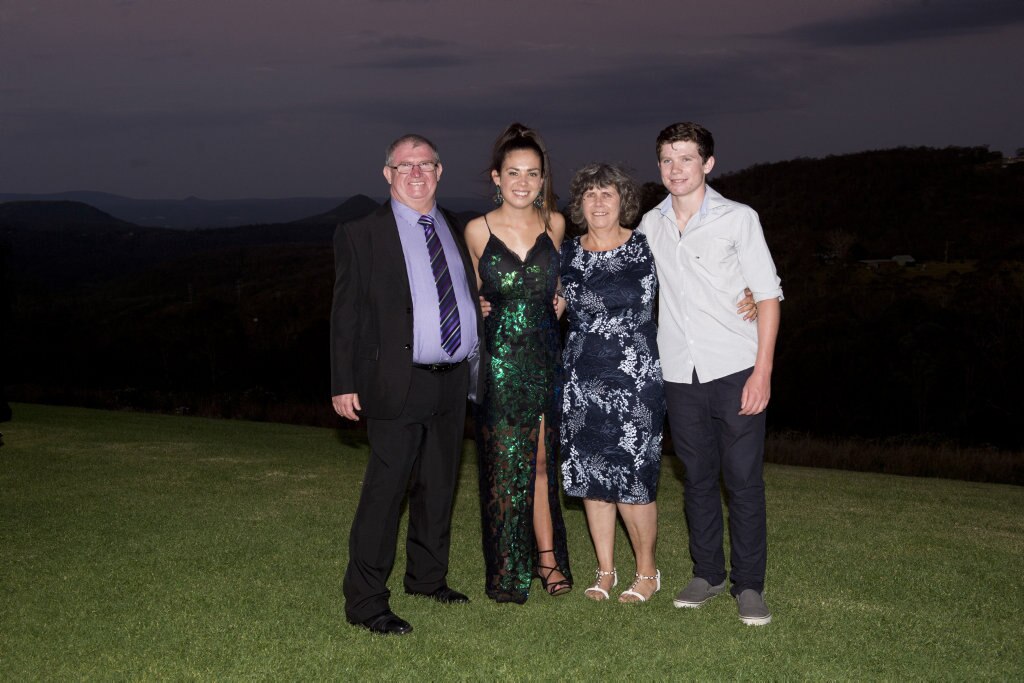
[539,202]
[498,199]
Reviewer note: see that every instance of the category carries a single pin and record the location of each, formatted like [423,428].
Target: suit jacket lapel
[388,247]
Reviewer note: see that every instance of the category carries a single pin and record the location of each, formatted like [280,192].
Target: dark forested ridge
[935,204]
[873,347]
[233,321]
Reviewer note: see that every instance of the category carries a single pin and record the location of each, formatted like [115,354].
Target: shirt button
[408,346]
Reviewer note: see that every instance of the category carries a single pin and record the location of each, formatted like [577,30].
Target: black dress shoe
[386,623]
[443,594]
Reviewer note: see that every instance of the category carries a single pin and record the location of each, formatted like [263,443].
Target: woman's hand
[559,306]
[747,307]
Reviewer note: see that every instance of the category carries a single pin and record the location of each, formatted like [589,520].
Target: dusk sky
[274,98]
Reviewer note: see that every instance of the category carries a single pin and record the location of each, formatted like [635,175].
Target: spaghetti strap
[487,224]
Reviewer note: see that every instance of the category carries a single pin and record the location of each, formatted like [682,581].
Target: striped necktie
[451,330]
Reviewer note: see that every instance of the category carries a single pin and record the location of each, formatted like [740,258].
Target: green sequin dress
[524,384]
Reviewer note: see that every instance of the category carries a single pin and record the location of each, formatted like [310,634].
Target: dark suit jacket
[371,318]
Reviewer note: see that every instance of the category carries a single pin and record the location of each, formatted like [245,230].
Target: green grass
[156,547]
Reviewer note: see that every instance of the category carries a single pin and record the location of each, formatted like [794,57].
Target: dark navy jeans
[715,443]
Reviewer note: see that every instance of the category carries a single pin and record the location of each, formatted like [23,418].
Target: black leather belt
[437,368]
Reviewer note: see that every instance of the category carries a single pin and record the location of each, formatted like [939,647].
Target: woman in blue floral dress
[613,403]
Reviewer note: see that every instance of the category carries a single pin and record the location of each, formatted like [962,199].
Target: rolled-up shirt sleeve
[755,259]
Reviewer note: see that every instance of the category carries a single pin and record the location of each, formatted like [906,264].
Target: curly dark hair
[604,175]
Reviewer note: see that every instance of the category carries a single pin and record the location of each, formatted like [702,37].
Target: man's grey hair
[416,141]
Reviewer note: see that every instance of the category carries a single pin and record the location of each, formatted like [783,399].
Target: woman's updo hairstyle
[517,137]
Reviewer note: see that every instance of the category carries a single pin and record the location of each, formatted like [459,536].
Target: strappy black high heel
[560,587]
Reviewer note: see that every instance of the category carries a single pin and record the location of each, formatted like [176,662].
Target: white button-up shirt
[702,272]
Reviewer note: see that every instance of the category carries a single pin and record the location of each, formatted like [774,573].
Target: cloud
[378,50]
[386,41]
[909,21]
[79,124]
[419,60]
[659,87]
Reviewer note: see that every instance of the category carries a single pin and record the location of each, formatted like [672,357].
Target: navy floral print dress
[613,401]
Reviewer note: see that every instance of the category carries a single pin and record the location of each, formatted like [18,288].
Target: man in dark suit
[405,334]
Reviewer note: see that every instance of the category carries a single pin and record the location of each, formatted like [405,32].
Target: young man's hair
[687,131]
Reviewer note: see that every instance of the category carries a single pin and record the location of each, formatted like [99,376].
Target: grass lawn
[148,546]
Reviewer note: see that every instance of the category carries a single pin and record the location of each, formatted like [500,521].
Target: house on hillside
[898,261]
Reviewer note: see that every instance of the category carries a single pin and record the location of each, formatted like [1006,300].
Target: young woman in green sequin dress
[515,251]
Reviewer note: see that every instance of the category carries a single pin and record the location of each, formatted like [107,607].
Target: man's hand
[756,393]
[485,307]
[747,307]
[346,405]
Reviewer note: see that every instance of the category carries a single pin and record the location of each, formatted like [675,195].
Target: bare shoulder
[476,226]
[476,234]
[557,228]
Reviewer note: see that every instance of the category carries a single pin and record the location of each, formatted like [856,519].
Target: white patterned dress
[613,402]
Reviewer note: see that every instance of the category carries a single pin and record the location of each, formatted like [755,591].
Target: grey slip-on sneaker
[753,610]
[696,593]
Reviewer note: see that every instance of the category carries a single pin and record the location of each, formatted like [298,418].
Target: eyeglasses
[424,166]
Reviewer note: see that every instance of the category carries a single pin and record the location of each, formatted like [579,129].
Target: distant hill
[58,215]
[361,205]
[56,244]
[191,212]
[351,209]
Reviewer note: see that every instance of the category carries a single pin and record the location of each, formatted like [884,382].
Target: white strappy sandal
[637,578]
[600,593]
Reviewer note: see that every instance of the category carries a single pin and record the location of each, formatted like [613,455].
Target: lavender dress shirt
[426,313]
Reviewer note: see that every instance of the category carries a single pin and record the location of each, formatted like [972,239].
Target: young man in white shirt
[717,366]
